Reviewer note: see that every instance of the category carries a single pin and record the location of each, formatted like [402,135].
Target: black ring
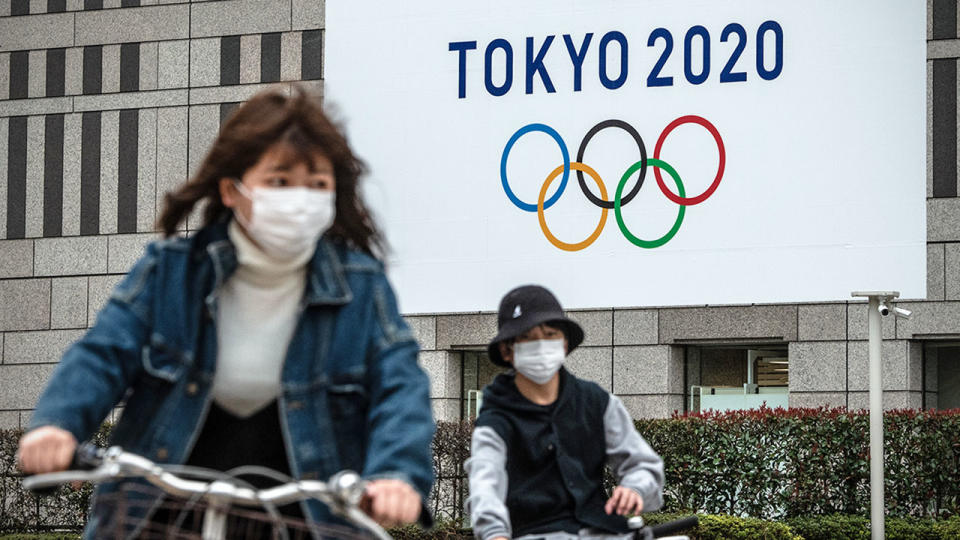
[643,156]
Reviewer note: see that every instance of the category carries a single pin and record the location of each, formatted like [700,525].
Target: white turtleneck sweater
[258,310]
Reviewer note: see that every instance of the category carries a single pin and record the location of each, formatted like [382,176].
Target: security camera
[884,309]
[900,312]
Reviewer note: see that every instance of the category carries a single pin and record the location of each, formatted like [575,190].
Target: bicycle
[214,500]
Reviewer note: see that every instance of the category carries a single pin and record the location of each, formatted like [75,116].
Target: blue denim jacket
[353,395]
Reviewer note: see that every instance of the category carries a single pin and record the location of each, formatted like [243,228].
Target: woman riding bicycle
[269,337]
[543,437]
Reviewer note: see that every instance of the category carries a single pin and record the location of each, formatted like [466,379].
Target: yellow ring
[577,166]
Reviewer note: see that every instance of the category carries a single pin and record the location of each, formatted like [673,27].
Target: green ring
[649,244]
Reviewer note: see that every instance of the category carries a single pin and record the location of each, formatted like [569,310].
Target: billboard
[638,152]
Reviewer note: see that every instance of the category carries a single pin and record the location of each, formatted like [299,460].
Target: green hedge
[807,462]
[844,527]
[21,511]
[41,537]
[777,465]
[721,527]
[712,527]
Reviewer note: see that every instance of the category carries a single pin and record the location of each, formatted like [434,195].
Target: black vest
[555,456]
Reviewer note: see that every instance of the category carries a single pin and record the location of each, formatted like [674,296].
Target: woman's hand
[624,501]
[46,449]
[391,502]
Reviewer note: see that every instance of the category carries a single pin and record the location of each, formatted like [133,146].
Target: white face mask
[538,360]
[286,222]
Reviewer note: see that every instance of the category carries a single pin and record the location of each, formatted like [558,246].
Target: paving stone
[70,256]
[9,420]
[24,305]
[935,272]
[817,366]
[23,384]
[445,410]
[173,58]
[597,326]
[937,320]
[99,288]
[824,322]
[635,327]
[817,399]
[308,14]
[729,322]
[654,369]
[465,330]
[240,17]
[895,358]
[35,32]
[857,323]
[40,347]
[68,305]
[592,364]
[943,219]
[205,62]
[656,406]
[72,144]
[135,24]
[444,369]
[952,271]
[35,164]
[16,258]
[125,250]
[425,330]
[891,400]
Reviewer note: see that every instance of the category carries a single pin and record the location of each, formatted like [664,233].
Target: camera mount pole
[878,300]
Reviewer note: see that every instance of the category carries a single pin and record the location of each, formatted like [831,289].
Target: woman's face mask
[287,221]
[539,360]
[292,202]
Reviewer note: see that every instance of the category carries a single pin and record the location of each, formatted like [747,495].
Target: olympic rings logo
[619,200]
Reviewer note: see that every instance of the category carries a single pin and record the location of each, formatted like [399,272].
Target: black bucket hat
[525,307]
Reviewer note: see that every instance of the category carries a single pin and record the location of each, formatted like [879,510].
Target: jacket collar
[326,277]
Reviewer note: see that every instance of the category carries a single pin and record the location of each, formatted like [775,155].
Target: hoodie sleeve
[486,468]
[633,461]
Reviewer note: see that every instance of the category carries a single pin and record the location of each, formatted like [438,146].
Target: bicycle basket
[133,512]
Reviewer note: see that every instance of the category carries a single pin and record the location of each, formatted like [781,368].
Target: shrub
[949,528]
[835,527]
[22,511]
[41,537]
[736,528]
[446,530]
[776,463]
[792,465]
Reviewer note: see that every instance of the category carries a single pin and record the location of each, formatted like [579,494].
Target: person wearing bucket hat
[544,436]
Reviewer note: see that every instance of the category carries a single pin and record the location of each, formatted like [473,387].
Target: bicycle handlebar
[341,493]
[670,527]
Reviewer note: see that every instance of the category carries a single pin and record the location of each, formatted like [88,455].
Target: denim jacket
[352,396]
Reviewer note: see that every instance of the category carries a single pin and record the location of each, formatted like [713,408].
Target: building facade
[105,105]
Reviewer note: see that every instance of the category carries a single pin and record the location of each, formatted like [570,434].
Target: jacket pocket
[162,362]
[163,368]
[348,402]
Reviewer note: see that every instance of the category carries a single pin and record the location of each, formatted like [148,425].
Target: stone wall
[107,104]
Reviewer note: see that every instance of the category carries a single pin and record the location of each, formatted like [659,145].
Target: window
[941,375]
[478,371]
[736,377]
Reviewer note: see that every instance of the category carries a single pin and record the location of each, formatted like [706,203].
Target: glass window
[736,377]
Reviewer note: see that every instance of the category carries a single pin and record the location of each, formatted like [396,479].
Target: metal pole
[876,421]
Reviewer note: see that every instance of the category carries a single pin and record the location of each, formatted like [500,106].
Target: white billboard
[638,152]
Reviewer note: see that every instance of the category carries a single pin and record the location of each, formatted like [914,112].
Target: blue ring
[503,166]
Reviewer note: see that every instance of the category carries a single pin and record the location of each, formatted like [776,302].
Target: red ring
[690,201]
